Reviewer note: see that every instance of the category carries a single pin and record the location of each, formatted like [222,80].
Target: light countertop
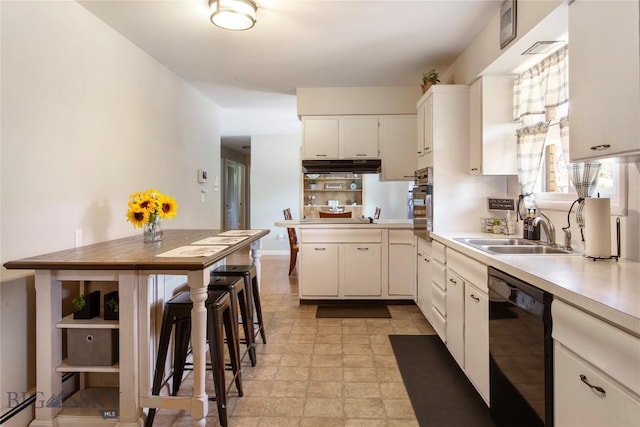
[333,223]
[607,289]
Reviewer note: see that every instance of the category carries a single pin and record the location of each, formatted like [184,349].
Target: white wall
[275,185]
[87,119]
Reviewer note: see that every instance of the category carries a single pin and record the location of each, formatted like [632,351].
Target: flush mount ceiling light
[233,14]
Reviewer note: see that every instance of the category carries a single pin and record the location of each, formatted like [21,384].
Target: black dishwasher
[520,353]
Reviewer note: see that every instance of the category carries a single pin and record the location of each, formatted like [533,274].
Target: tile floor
[316,372]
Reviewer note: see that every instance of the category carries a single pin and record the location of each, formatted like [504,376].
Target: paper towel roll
[597,227]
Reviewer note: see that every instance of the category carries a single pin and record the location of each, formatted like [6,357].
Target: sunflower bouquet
[149,207]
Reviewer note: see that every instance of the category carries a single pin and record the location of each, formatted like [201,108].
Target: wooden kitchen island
[131,264]
[355,259]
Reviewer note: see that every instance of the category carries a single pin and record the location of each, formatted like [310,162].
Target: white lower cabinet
[361,267]
[476,338]
[579,405]
[467,317]
[455,316]
[596,371]
[319,269]
[423,260]
[402,263]
[342,263]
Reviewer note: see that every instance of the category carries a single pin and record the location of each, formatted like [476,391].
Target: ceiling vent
[544,48]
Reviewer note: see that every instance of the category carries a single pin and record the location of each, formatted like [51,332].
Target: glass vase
[152,231]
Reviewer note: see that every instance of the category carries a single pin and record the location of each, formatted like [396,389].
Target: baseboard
[356,302]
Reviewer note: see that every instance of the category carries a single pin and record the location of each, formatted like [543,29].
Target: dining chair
[293,242]
[324,214]
[376,215]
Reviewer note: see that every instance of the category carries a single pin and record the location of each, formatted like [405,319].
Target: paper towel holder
[617,256]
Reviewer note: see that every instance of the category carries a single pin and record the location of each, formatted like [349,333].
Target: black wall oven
[422,195]
[520,353]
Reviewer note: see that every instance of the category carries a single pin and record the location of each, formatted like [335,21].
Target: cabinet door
[321,137]
[423,259]
[492,131]
[397,145]
[359,138]
[476,339]
[455,316]
[319,269]
[420,136]
[362,274]
[428,126]
[402,269]
[577,404]
[604,48]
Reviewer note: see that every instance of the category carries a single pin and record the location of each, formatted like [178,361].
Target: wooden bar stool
[177,313]
[240,296]
[250,276]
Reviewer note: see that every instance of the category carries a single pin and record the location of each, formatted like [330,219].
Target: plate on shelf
[313,175]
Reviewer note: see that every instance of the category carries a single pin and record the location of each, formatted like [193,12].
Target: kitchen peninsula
[355,258]
[132,265]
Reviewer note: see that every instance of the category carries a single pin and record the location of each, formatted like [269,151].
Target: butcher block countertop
[608,289]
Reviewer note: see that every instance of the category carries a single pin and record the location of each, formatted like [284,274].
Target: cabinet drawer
[439,324]
[403,237]
[439,253]
[439,300]
[577,404]
[607,347]
[340,236]
[439,276]
[469,269]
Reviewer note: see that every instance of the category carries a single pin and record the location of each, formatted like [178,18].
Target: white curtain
[541,95]
[530,143]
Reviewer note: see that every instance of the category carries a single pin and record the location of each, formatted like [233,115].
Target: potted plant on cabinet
[111,306]
[86,306]
[429,79]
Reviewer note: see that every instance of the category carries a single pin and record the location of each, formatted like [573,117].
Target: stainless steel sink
[512,246]
[496,241]
[522,250]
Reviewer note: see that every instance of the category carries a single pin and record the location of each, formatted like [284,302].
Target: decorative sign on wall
[507,22]
[501,204]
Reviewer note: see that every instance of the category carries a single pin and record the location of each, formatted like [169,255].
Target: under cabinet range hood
[342,166]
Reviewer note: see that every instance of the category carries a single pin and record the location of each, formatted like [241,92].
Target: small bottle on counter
[535,228]
[526,222]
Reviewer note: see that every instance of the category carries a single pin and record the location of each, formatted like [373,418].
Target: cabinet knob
[319,249]
[474,169]
[584,379]
[363,249]
[321,155]
[475,298]
[601,147]
[360,155]
[453,281]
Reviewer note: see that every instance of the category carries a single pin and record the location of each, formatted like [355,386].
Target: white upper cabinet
[604,79]
[321,137]
[359,138]
[397,147]
[492,130]
[425,131]
[332,137]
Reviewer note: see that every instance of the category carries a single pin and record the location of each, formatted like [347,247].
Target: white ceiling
[297,43]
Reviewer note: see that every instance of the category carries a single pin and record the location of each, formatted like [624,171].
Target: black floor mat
[440,393]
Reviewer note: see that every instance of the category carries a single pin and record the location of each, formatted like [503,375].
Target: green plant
[79,302]
[430,77]
[497,221]
[113,305]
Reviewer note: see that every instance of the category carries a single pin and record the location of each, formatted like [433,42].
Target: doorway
[234,195]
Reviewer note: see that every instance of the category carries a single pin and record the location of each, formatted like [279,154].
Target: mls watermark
[104,401]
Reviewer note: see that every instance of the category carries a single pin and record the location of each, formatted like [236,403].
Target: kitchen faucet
[547,226]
